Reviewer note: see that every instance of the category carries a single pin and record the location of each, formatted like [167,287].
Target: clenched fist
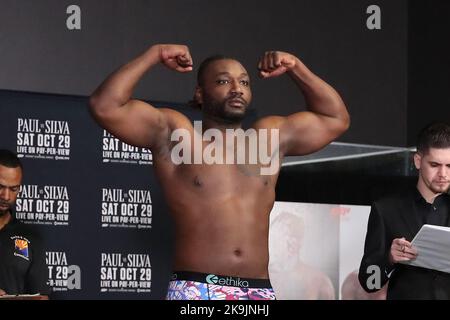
[175,57]
[275,63]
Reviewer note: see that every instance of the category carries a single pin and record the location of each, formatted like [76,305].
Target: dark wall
[358,181]
[368,67]
[429,64]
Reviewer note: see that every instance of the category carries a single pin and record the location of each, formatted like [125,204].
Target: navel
[197,182]
[238,252]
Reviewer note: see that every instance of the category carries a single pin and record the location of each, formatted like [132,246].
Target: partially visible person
[352,290]
[395,220]
[292,278]
[22,260]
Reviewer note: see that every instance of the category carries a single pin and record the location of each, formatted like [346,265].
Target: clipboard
[36,296]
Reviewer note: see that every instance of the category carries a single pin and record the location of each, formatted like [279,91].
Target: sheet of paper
[19,296]
[433,248]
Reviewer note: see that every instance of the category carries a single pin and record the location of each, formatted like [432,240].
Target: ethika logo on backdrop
[229,281]
[258,142]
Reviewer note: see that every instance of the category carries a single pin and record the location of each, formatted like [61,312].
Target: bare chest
[217,182]
[225,179]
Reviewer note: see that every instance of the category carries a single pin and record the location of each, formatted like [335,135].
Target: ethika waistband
[221,280]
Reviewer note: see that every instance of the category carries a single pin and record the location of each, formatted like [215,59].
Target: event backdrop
[94,199]
[106,230]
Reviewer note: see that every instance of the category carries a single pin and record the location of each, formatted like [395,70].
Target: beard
[440,188]
[221,110]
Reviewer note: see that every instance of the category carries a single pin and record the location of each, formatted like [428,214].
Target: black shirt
[22,260]
[435,213]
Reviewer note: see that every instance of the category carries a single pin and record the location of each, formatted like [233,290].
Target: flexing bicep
[136,123]
[306,132]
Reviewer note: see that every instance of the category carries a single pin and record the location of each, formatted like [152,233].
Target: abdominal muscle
[223,235]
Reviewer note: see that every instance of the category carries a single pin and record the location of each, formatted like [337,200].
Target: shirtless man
[221,211]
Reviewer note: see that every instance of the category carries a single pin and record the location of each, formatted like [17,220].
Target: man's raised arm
[326,118]
[136,122]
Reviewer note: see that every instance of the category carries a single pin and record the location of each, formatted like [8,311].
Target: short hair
[9,159]
[201,74]
[435,135]
[205,64]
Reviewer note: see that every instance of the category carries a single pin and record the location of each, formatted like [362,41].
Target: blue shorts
[202,286]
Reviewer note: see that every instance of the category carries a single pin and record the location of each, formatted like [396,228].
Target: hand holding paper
[433,248]
[402,250]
